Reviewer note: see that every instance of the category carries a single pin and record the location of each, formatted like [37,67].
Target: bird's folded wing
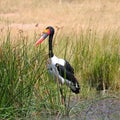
[65,73]
[68,67]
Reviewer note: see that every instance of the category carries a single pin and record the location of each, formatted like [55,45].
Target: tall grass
[26,89]
[17,79]
[97,59]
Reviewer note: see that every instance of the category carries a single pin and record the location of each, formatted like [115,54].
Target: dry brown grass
[71,15]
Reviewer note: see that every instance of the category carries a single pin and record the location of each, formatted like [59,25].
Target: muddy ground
[105,109]
[101,108]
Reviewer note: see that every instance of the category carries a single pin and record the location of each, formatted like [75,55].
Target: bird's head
[49,31]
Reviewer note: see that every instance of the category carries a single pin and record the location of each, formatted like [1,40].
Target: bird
[59,68]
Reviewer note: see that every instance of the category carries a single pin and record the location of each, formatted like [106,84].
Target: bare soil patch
[103,109]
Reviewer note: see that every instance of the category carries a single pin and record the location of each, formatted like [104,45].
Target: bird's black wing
[70,77]
[68,67]
[66,73]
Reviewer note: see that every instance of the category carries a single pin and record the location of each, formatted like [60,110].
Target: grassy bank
[26,89]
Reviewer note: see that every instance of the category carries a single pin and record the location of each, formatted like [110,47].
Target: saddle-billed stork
[59,68]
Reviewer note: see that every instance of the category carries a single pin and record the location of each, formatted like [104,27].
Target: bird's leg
[62,96]
[61,90]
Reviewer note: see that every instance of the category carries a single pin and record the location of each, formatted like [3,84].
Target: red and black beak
[43,37]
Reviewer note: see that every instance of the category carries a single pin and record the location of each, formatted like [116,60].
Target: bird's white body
[53,70]
[55,60]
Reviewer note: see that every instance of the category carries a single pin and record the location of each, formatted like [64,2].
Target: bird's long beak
[44,35]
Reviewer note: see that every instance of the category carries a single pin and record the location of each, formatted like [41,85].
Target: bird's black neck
[50,46]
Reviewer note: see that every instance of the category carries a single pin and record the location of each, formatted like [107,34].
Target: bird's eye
[47,31]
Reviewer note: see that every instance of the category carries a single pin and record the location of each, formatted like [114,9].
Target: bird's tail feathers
[75,88]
